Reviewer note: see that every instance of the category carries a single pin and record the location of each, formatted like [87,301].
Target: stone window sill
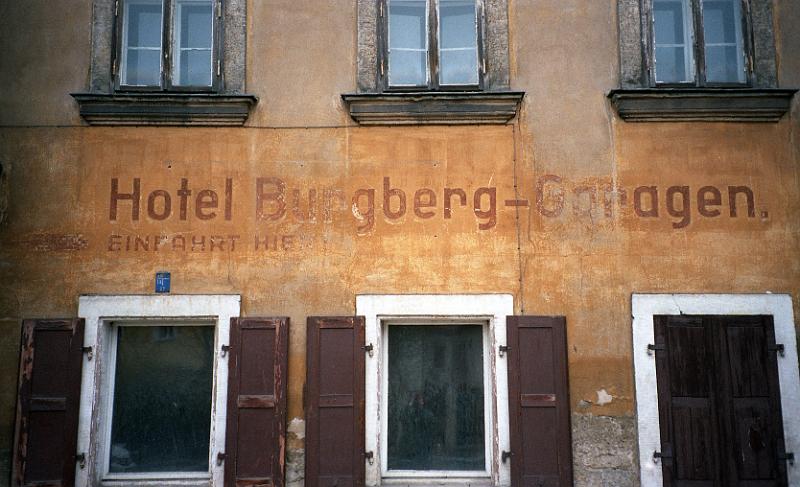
[164,108]
[701,104]
[434,108]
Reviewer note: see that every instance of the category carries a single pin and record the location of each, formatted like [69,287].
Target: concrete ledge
[441,108]
[702,104]
[164,108]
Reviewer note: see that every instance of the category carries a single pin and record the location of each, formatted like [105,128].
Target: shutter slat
[539,401]
[256,423]
[48,402]
[335,400]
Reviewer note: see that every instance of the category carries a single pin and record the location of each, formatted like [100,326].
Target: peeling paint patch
[603,397]
[298,428]
[54,242]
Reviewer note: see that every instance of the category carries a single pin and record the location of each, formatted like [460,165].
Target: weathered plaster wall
[580,247]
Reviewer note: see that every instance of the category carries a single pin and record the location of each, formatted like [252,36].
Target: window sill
[434,108]
[701,104]
[164,108]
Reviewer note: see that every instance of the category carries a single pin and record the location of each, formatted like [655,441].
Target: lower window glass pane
[196,68]
[162,399]
[459,67]
[408,68]
[722,64]
[670,65]
[435,403]
[143,68]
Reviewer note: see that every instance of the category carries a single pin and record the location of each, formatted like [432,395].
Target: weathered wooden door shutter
[335,402]
[48,403]
[538,394]
[256,424]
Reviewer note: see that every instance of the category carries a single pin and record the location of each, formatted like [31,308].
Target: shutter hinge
[369,349]
[665,455]
[114,68]
[224,350]
[219,9]
[81,459]
[787,457]
[220,458]
[778,347]
[381,9]
[655,348]
[116,8]
[483,65]
[503,349]
[504,456]
[370,457]
[219,67]
[88,351]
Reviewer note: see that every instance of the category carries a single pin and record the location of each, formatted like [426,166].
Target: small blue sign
[162,282]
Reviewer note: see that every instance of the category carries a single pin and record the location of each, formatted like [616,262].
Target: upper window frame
[167,58]
[698,48]
[433,62]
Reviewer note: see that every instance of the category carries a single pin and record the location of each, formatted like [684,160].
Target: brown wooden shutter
[335,402]
[538,394]
[48,402]
[256,424]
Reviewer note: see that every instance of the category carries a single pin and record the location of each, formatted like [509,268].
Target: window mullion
[433,44]
[699,43]
[166,43]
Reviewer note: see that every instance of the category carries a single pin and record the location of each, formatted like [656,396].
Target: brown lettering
[206,199]
[388,193]
[366,216]
[491,213]
[704,202]
[116,196]
[419,204]
[114,243]
[733,191]
[287,242]
[183,194]
[228,199]
[448,198]
[555,196]
[684,213]
[652,192]
[166,208]
[311,217]
[276,198]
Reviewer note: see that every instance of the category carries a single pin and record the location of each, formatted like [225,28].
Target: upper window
[433,43]
[167,44]
[698,42]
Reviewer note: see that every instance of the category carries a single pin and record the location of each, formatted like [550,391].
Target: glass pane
[673,41]
[408,68]
[143,68]
[162,399]
[436,395]
[143,23]
[459,67]
[195,68]
[195,24]
[457,24]
[408,42]
[722,26]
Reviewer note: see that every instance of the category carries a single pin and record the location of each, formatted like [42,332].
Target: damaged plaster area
[603,449]
[295,456]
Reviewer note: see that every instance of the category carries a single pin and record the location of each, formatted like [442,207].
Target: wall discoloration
[603,450]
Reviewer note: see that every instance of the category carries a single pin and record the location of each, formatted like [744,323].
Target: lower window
[162,387]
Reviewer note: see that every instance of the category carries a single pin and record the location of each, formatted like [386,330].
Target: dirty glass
[722,28]
[161,420]
[141,47]
[193,34]
[435,403]
[458,42]
[672,25]
[408,42]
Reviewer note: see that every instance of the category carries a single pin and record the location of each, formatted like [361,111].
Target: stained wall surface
[314,217]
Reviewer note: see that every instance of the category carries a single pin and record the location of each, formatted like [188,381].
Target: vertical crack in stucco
[514,129]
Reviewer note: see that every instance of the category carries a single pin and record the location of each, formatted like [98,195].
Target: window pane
[722,26]
[141,39]
[194,38]
[435,405]
[408,42]
[162,399]
[674,60]
[458,42]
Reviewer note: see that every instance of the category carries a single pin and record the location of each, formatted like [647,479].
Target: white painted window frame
[99,312]
[645,306]
[434,308]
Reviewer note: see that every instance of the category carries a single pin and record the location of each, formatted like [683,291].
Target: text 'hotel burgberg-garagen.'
[399,243]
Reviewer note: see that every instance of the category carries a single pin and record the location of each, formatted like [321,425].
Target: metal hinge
[81,459]
[381,9]
[219,67]
[220,458]
[114,68]
[504,456]
[657,455]
[655,348]
[370,456]
[503,349]
[88,351]
[369,349]
[219,9]
[787,457]
[116,8]
[224,350]
[483,65]
[778,347]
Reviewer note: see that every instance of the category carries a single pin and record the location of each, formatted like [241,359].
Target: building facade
[399,242]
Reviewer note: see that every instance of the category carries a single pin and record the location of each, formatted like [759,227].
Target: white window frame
[100,312]
[437,309]
[645,306]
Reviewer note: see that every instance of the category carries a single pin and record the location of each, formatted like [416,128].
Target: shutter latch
[778,347]
[88,351]
[224,350]
[370,457]
[655,348]
[81,459]
[369,349]
[503,349]
[787,457]
[504,456]
[220,458]
[657,455]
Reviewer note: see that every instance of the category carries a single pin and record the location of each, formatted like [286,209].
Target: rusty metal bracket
[220,458]
[88,351]
[369,349]
[81,459]
[505,456]
[370,456]
[651,349]
[503,349]
[778,347]
[224,350]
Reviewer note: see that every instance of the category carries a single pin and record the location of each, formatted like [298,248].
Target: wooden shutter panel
[48,401]
[335,402]
[256,424]
[539,402]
